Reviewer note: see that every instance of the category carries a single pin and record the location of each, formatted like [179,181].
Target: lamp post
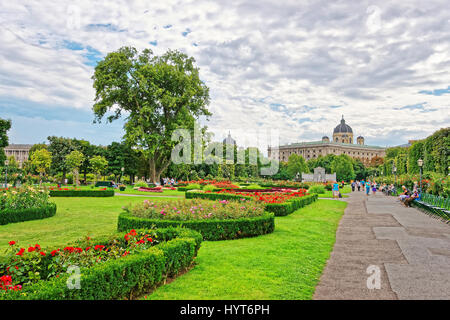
[6,173]
[121,177]
[420,164]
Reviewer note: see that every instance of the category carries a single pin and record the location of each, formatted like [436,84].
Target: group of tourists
[407,196]
[168,181]
[367,186]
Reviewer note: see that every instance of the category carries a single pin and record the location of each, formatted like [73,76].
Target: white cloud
[371,58]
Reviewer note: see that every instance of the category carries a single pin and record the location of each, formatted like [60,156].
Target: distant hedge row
[279,209]
[210,229]
[81,193]
[125,277]
[11,216]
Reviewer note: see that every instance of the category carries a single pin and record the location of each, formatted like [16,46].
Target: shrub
[141,183]
[193,186]
[19,215]
[210,229]
[317,189]
[209,187]
[81,193]
[24,197]
[121,277]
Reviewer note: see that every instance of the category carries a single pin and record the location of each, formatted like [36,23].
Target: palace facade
[19,151]
[342,143]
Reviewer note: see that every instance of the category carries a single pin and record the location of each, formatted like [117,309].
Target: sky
[292,67]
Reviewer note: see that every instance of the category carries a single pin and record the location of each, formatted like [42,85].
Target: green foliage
[211,229]
[141,183]
[193,186]
[5,125]
[415,152]
[296,164]
[98,164]
[159,94]
[81,193]
[317,189]
[19,215]
[343,166]
[208,187]
[41,159]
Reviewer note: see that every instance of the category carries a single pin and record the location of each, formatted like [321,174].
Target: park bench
[435,205]
[107,184]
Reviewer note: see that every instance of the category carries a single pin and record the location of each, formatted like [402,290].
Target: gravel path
[410,249]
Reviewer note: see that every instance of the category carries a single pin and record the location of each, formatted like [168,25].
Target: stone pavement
[410,249]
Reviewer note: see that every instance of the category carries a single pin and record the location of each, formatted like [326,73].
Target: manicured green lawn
[286,264]
[74,219]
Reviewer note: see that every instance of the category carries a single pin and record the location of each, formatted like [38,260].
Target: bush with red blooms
[23,266]
[271,197]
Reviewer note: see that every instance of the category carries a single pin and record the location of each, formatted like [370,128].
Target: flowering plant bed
[23,204]
[279,203]
[121,266]
[76,192]
[215,220]
[155,189]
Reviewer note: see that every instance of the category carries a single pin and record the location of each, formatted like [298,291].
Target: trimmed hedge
[81,193]
[211,229]
[279,209]
[126,277]
[103,184]
[11,216]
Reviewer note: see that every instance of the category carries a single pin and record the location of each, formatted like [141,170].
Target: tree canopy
[158,94]
[5,125]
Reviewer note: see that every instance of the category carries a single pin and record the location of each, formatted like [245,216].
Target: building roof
[343,128]
[325,143]
[19,146]
[229,140]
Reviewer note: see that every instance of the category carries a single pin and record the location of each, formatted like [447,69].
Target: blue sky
[270,65]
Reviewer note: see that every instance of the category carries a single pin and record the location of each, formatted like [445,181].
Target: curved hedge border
[211,229]
[125,277]
[82,193]
[11,216]
[279,209]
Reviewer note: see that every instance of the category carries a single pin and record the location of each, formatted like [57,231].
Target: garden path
[410,249]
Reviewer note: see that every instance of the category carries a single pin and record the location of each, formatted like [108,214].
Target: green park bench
[436,205]
[107,184]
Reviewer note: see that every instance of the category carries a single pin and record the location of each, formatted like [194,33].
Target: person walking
[353,186]
[374,188]
[335,190]
[367,187]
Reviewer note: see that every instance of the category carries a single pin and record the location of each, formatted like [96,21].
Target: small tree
[98,164]
[74,161]
[41,159]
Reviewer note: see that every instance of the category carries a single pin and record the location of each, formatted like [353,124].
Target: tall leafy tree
[343,167]
[159,94]
[73,161]
[296,164]
[41,159]
[5,125]
[98,164]
[60,147]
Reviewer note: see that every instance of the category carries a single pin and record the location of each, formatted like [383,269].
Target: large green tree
[343,166]
[158,94]
[5,125]
[296,164]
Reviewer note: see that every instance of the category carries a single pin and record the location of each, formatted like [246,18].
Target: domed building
[343,133]
[342,143]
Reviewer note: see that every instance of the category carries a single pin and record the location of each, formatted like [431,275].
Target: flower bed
[24,204]
[122,266]
[155,189]
[215,220]
[279,203]
[76,192]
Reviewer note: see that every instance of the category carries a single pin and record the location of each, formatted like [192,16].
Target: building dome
[229,140]
[343,128]
[325,139]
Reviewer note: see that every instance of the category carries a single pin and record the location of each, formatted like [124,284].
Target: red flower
[11,243]
[87,248]
[21,251]
[42,253]
[79,250]
[31,249]
[37,247]
[99,247]
[54,252]
[69,249]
